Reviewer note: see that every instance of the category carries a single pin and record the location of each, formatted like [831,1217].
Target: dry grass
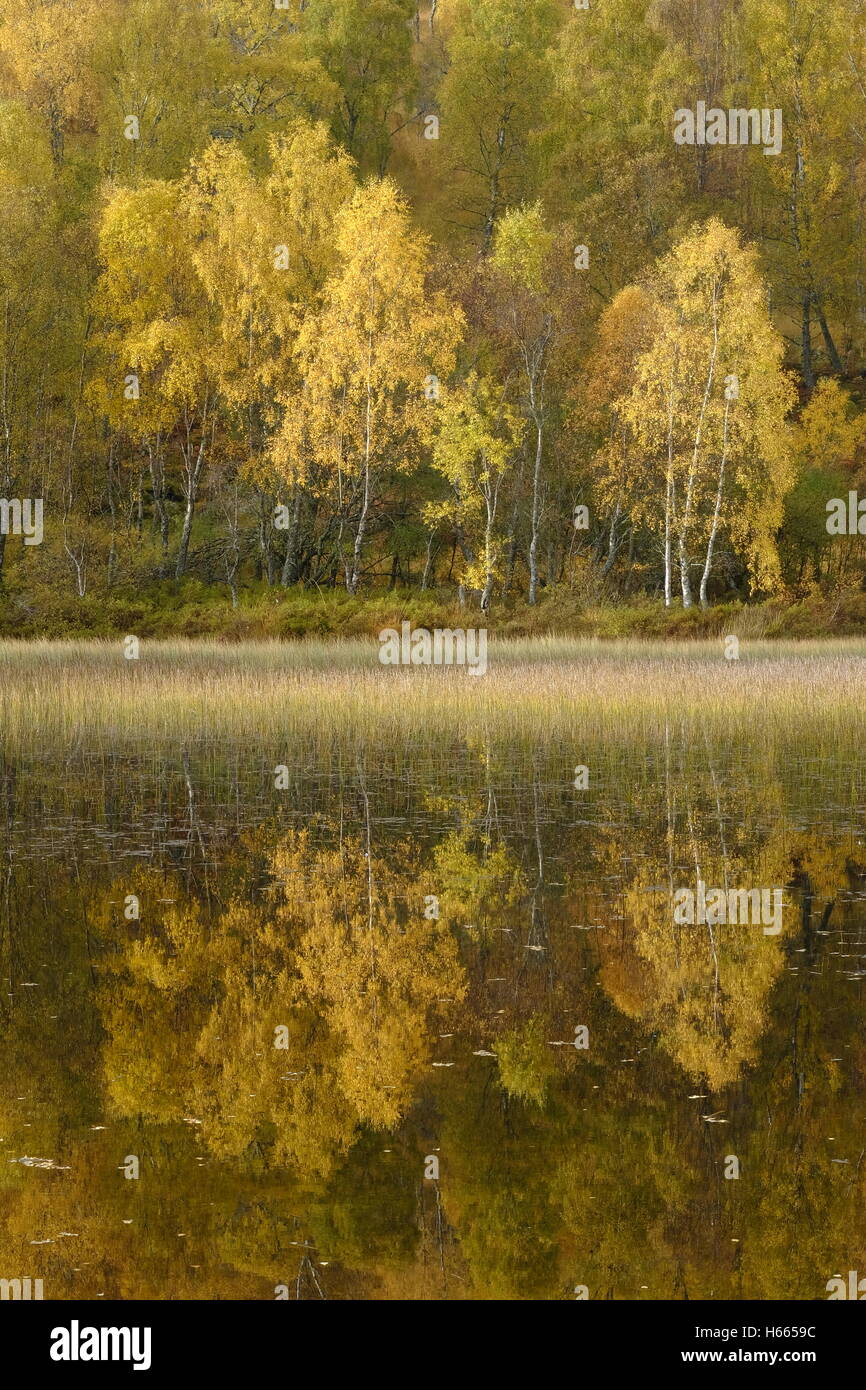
[70,692]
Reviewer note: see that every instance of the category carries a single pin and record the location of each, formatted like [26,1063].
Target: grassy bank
[196,610]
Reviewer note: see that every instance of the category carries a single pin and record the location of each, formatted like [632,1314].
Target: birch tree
[364,358]
[494,97]
[477,439]
[262,249]
[522,260]
[709,404]
[159,329]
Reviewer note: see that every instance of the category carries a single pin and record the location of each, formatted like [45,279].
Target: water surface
[375,966]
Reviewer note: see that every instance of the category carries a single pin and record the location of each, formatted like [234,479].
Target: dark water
[431,960]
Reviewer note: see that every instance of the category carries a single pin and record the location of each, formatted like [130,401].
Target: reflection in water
[245,1028]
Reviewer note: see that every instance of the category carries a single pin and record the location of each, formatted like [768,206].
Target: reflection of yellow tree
[341,959]
[704,986]
[808,1164]
[607,1177]
[246,1091]
[709,985]
[526,1063]
[475,885]
[153,985]
[474,874]
[372,964]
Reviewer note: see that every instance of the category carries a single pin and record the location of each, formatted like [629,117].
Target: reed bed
[67,693]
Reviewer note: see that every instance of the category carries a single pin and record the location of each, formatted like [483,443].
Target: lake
[329,981]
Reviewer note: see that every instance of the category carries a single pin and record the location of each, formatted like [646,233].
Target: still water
[345,1022]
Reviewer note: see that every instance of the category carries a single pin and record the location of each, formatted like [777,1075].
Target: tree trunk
[708,563]
[669,488]
[668,509]
[494,189]
[365,506]
[266,547]
[288,573]
[835,359]
[536,512]
[488,559]
[612,545]
[355,575]
[193,474]
[428,561]
[157,483]
[183,553]
[806,342]
[685,581]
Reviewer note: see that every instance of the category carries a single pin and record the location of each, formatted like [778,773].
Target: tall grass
[66,692]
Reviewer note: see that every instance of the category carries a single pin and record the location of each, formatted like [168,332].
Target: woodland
[319,313]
